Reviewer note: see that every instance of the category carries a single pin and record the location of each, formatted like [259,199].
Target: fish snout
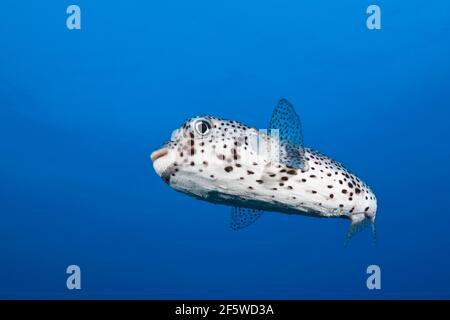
[157,154]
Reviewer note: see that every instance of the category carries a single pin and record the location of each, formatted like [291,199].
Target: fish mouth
[158,154]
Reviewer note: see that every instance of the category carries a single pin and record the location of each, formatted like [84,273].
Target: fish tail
[374,230]
[360,221]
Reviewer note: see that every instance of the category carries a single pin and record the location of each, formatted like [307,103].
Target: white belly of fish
[326,189]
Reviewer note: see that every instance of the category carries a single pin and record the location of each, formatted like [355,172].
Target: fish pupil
[203,128]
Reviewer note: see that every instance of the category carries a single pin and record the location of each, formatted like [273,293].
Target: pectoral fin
[243,217]
[289,130]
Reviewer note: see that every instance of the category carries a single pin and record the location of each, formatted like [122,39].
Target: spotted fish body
[226,162]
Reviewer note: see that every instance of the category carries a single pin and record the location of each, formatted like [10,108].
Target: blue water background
[80,112]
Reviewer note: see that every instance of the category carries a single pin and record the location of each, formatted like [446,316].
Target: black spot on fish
[235,155]
[228,169]
[250,172]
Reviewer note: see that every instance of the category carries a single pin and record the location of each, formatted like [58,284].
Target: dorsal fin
[287,122]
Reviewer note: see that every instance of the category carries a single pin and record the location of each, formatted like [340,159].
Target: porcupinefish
[226,162]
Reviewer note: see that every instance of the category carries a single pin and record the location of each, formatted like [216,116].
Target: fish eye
[202,127]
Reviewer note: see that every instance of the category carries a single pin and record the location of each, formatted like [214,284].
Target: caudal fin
[360,222]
